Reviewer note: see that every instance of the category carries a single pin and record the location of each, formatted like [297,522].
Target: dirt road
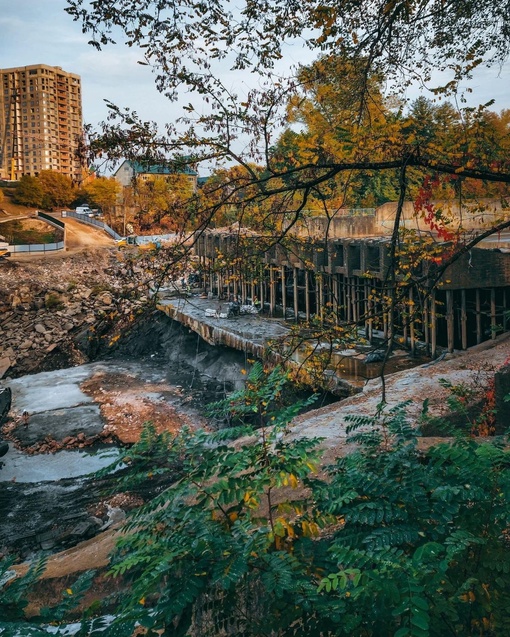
[81,235]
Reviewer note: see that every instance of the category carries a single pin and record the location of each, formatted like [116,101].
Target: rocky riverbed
[82,418]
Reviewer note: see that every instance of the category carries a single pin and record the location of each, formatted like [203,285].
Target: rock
[105,298]
[376,356]
[5,364]
[26,344]
[51,347]
[40,328]
[85,528]
[4,448]
[9,353]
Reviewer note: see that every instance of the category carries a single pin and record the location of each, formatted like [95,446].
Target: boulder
[5,364]
[377,356]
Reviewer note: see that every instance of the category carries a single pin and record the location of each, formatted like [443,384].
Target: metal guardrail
[91,222]
[37,247]
[51,220]
[42,247]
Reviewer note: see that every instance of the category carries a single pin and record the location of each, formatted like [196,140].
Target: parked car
[89,212]
[84,210]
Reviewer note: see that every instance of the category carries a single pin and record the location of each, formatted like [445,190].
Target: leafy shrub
[250,541]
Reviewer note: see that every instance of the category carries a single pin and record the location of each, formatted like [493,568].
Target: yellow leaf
[69,591]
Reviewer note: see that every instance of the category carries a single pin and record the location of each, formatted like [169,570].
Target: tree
[29,192]
[164,202]
[58,190]
[102,192]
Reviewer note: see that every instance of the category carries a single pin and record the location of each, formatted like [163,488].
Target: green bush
[251,541]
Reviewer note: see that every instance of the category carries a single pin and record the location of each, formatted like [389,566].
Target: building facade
[41,125]
[128,171]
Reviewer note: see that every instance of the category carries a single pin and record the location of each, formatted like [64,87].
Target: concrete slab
[64,464]
[49,390]
[248,333]
[60,423]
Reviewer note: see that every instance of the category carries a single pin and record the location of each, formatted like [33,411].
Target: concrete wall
[471,216]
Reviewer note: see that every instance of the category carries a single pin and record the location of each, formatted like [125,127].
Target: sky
[40,32]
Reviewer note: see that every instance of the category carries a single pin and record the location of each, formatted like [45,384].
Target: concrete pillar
[262,287]
[335,285]
[307,295]
[320,297]
[295,289]
[284,293]
[411,321]
[463,319]
[370,316]
[450,320]
[426,325]
[272,291]
[478,318]
[493,314]
[433,325]
[348,299]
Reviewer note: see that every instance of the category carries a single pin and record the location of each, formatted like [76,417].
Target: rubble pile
[54,314]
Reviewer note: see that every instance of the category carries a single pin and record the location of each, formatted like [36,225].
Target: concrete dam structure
[348,281]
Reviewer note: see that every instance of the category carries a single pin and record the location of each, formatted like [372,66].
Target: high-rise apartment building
[41,124]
